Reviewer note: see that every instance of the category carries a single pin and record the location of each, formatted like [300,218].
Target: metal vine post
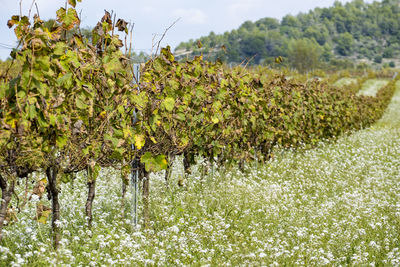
[135,161]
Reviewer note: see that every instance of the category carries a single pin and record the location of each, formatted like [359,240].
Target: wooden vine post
[7,188]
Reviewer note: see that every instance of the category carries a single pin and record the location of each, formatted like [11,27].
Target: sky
[153,17]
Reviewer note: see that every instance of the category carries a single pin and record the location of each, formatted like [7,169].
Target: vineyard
[219,146]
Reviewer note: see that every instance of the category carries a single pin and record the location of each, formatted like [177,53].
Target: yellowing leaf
[154,164]
[127,132]
[169,103]
[44,217]
[12,122]
[161,162]
[215,120]
[139,141]
[103,114]
[184,141]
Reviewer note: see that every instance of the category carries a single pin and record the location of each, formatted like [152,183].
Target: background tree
[304,54]
[344,44]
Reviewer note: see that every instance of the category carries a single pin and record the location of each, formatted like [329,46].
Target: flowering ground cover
[345,81]
[337,204]
[371,87]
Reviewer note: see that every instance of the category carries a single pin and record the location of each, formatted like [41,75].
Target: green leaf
[44,217]
[80,103]
[157,65]
[66,177]
[85,151]
[118,153]
[44,63]
[42,88]
[111,66]
[174,85]
[32,112]
[73,57]
[114,141]
[147,159]
[121,109]
[69,18]
[60,14]
[223,83]
[21,94]
[161,162]
[184,141]
[61,141]
[118,133]
[155,121]
[66,80]
[3,89]
[181,116]
[139,101]
[169,103]
[42,122]
[52,119]
[154,164]
[93,170]
[60,48]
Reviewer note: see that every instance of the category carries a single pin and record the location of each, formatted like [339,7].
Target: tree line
[324,37]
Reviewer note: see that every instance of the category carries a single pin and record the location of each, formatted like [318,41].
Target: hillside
[355,32]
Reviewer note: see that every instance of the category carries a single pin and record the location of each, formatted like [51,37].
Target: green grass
[337,204]
[372,86]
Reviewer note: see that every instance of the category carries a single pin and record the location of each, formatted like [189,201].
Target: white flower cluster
[335,205]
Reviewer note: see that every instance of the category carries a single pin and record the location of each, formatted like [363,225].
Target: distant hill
[344,34]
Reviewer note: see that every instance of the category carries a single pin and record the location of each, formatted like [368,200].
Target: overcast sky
[152,17]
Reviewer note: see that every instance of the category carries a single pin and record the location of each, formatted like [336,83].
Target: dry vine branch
[37,9]
[30,9]
[130,38]
[165,32]
[20,9]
